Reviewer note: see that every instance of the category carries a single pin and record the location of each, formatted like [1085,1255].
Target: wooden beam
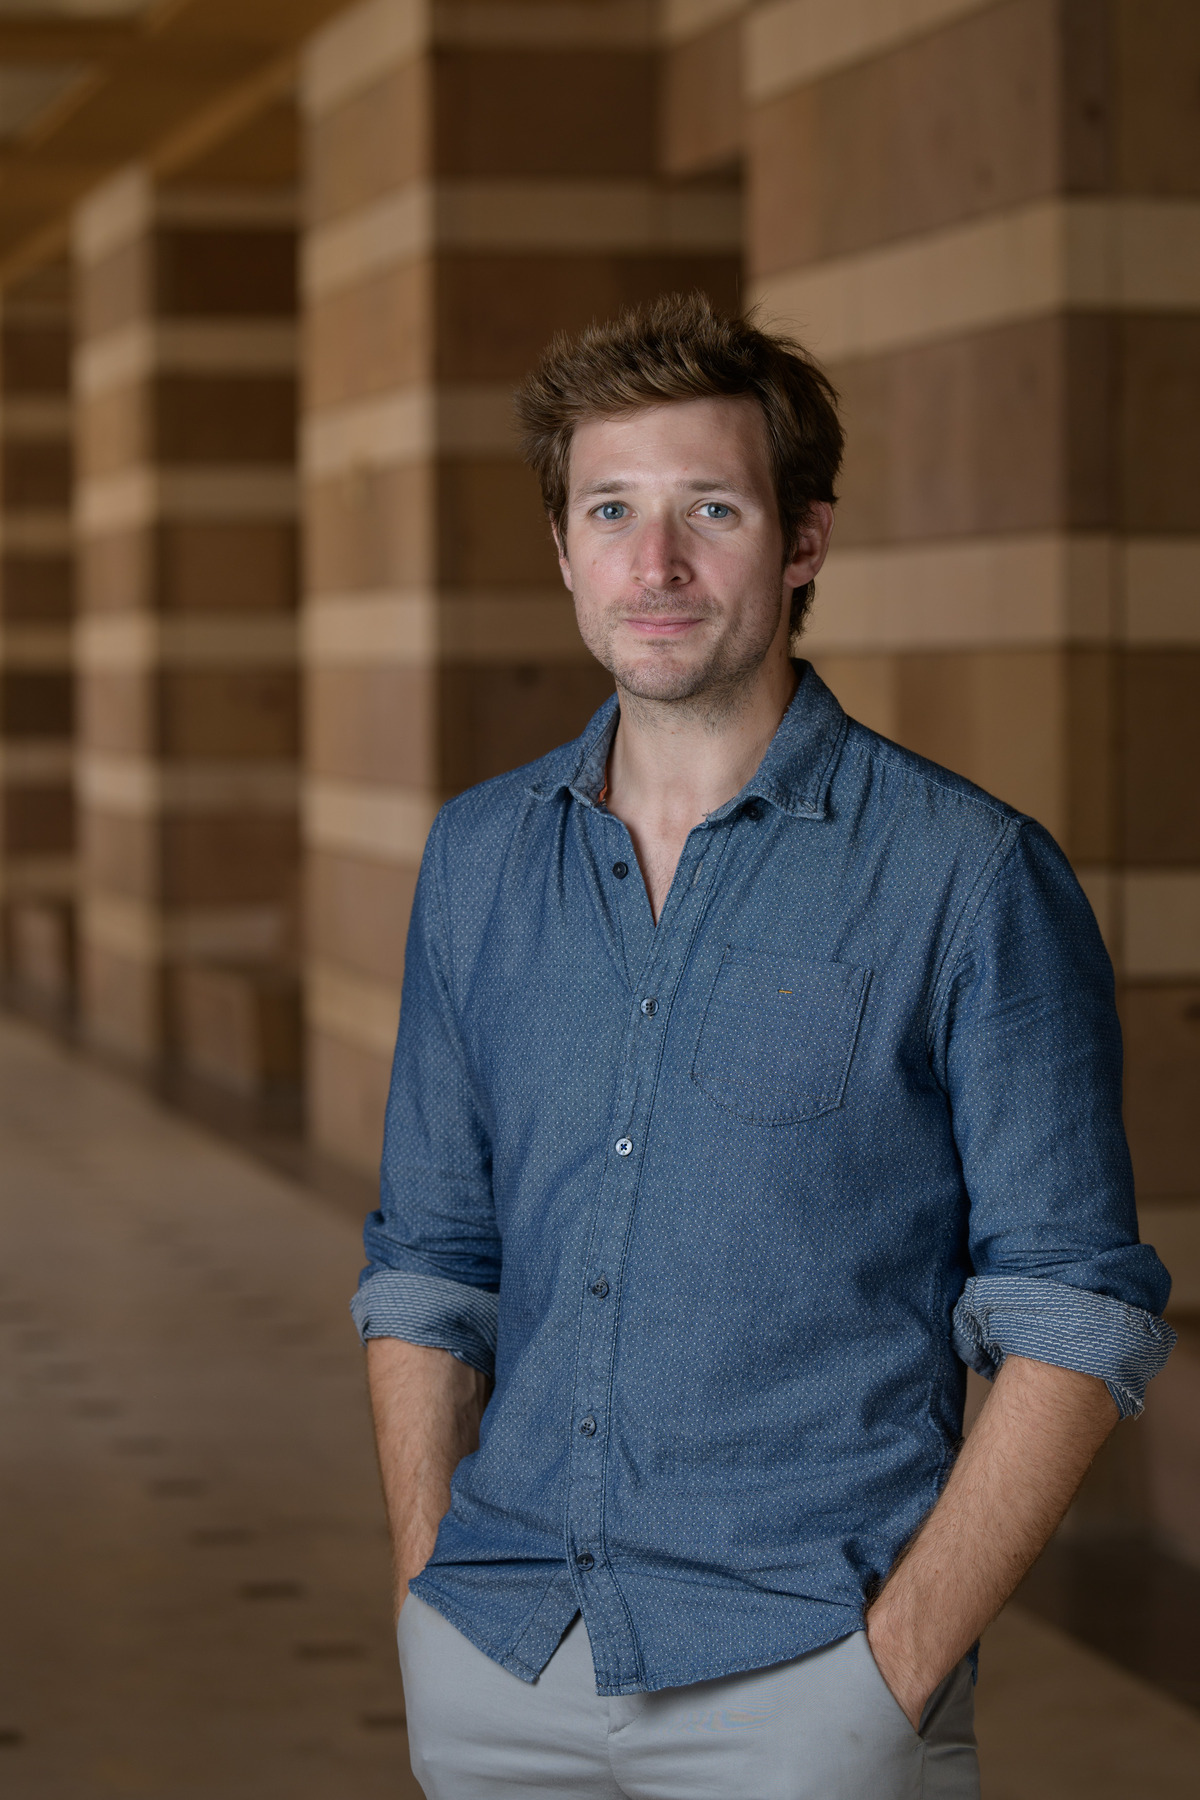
[36,245]
[26,38]
[47,183]
[233,109]
[163,89]
[42,182]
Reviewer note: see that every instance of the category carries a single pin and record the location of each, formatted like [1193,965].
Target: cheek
[600,570]
[734,567]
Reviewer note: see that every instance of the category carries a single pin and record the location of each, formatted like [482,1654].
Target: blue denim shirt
[725,1205]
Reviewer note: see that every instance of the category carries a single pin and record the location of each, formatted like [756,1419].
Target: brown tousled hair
[679,347]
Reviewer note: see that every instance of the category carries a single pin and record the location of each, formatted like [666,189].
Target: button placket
[614,1648]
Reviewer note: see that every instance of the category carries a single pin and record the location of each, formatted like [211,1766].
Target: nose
[659,559]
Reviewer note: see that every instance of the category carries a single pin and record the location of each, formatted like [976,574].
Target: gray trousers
[824,1727]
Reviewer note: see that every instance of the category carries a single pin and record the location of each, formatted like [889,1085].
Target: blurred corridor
[194,1562]
[193,1557]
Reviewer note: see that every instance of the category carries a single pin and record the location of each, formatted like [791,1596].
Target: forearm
[1018,1472]
[427,1406]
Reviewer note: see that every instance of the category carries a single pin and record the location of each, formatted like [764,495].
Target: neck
[682,759]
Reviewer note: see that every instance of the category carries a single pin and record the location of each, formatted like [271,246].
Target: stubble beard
[712,687]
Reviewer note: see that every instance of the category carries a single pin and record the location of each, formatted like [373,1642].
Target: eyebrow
[620,484]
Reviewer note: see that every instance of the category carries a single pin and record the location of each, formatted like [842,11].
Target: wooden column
[185,383]
[37,803]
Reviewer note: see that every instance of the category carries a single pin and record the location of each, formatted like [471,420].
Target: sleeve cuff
[428,1309]
[1048,1321]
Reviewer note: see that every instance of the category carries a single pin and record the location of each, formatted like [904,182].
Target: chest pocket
[777,1037]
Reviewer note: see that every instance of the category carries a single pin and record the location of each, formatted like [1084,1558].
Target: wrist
[898,1660]
[407,1570]
[403,1576]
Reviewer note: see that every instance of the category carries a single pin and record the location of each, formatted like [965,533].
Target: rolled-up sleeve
[1031,1058]
[433,1248]
[1019,1315]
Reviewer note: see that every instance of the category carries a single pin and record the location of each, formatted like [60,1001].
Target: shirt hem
[830,1632]
[454,1616]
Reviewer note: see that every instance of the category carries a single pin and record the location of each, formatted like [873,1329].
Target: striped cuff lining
[428,1309]
[1022,1315]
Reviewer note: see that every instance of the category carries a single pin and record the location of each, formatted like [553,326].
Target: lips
[661,628]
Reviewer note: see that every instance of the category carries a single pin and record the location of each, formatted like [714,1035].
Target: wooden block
[349,1089]
[238,1026]
[41,953]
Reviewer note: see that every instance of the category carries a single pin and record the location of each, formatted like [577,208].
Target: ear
[811,546]
[564,562]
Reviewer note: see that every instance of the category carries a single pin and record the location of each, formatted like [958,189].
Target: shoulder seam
[993,867]
[432,849]
[904,761]
[448,973]
[518,778]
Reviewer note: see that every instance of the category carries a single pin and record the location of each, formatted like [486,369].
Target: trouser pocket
[885,1697]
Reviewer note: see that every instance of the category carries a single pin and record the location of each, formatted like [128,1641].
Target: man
[753,1074]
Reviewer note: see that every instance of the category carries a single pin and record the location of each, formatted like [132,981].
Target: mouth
[657,626]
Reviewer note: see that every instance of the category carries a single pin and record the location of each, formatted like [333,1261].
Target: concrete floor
[192,1553]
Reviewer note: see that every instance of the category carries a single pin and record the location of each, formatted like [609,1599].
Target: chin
[654,680]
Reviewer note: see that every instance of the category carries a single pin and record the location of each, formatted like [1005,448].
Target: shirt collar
[793,776]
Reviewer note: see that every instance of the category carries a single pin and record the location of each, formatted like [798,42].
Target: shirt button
[585,1560]
[620,870]
[600,1289]
[624,1146]
[588,1426]
[649,1007]
[754,810]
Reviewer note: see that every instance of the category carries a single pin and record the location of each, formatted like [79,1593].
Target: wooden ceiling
[173,85]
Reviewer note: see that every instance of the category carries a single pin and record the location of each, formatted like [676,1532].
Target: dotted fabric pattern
[1014,1315]
[711,1247]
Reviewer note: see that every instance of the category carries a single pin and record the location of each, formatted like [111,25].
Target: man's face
[674,551]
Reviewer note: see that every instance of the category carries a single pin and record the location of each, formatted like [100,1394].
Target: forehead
[720,438]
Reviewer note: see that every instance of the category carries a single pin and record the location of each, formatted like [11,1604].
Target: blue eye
[612,509]
[715,509]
